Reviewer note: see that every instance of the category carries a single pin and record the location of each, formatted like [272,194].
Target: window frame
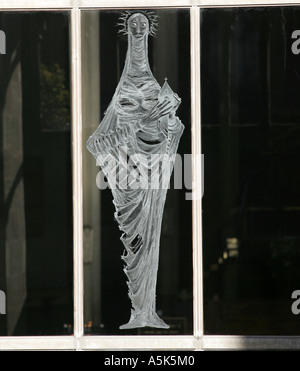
[197,341]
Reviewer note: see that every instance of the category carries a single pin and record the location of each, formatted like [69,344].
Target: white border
[78,341]
[196,170]
[77,171]
[83,4]
[187,343]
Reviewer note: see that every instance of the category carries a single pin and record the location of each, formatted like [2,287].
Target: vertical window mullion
[77,172]
[196,171]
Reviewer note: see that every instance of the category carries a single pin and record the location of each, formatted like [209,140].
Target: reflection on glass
[35,175]
[250,139]
[106,300]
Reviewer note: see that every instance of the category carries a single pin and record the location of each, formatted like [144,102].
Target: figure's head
[138,25]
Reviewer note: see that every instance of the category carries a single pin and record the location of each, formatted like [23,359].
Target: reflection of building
[35,187]
[12,218]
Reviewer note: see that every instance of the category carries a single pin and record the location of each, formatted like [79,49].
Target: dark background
[251,142]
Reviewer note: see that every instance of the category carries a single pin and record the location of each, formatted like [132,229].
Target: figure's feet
[155,321]
[138,321]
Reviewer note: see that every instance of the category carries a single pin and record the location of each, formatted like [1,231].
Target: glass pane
[121,73]
[35,174]
[250,140]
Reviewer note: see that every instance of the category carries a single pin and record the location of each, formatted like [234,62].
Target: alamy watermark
[2,42]
[2,302]
[138,171]
[296,44]
[296,304]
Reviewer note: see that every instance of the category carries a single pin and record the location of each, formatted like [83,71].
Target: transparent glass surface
[106,301]
[36,278]
[250,140]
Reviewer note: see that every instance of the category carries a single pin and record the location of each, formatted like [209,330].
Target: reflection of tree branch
[55,98]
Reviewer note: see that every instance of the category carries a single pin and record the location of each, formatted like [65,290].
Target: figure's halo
[151,16]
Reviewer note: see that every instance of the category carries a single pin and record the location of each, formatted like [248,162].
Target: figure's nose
[138,27]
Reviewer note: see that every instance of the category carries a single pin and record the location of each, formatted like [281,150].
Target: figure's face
[138,25]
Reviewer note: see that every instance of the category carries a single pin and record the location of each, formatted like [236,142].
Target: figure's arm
[159,110]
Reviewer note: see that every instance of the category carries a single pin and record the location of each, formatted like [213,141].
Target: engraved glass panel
[137,207]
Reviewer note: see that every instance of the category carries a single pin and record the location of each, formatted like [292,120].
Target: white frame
[197,341]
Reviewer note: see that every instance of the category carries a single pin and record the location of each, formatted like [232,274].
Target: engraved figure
[140,125]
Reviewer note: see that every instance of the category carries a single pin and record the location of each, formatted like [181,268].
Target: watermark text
[120,170]
[2,302]
[2,42]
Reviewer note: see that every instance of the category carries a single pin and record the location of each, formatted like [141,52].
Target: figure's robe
[137,158]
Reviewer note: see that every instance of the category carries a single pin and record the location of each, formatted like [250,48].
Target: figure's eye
[133,24]
[126,103]
[144,24]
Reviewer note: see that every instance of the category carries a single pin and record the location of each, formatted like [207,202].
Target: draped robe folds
[138,146]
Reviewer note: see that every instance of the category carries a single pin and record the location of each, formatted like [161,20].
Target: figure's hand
[160,109]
